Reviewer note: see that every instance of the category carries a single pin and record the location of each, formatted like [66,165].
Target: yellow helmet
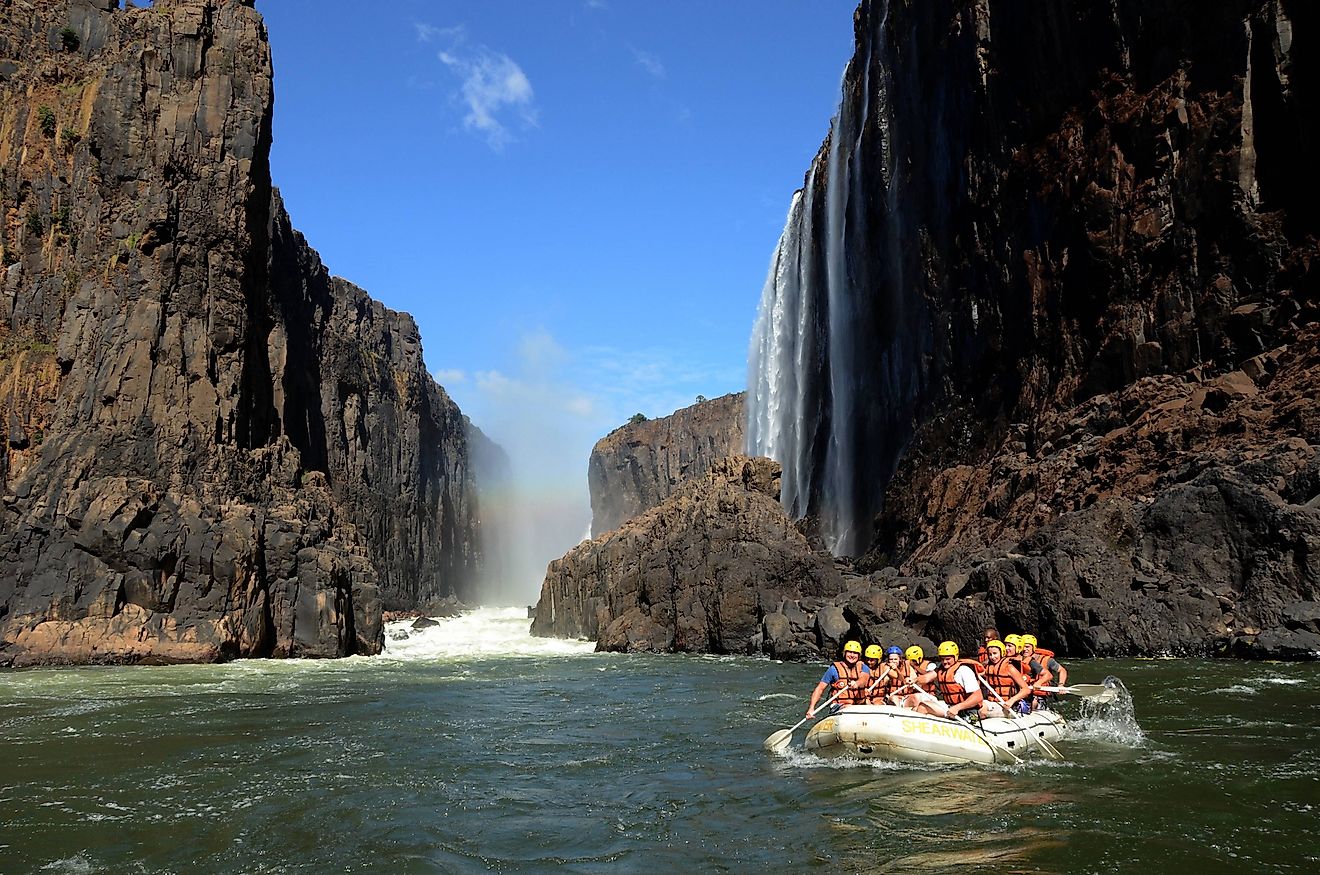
[1014,639]
[873,652]
[995,643]
[852,647]
[948,648]
[1028,639]
[916,653]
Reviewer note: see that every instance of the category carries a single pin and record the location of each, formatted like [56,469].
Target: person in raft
[990,634]
[849,679]
[956,681]
[1041,669]
[894,674]
[872,658]
[1007,682]
[912,692]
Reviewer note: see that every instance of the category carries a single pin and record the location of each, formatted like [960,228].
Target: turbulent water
[470,747]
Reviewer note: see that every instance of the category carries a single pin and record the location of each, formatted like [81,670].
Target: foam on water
[1114,722]
[480,634]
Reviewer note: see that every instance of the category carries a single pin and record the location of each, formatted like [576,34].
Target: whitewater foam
[485,633]
[1114,722]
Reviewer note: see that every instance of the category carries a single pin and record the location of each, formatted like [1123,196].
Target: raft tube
[888,732]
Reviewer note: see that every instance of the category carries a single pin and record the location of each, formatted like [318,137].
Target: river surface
[470,747]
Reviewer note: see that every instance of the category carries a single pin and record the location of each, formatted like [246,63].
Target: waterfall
[830,367]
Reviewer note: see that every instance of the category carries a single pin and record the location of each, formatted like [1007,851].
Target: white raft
[888,732]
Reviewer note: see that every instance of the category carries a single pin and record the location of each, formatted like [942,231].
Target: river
[472,747]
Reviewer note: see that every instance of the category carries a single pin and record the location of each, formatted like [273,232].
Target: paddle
[1098,693]
[1050,750]
[777,741]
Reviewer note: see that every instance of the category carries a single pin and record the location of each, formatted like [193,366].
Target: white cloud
[539,351]
[648,62]
[428,33]
[581,406]
[497,385]
[494,89]
[449,376]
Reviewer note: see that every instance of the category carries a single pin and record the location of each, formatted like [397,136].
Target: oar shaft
[1039,741]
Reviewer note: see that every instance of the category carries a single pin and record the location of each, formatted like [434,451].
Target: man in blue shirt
[849,679]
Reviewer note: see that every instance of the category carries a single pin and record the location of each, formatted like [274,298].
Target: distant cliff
[637,466]
[213,448]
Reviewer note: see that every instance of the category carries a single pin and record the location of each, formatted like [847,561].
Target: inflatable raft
[891,733]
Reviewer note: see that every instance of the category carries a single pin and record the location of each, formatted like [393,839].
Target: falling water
[816,365]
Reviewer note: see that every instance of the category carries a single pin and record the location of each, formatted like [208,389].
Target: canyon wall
[1038,346]
[638,465]
[213,448]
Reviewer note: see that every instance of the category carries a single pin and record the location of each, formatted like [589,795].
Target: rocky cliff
[214,448]
[694,573]
[1038,344]
[638,465]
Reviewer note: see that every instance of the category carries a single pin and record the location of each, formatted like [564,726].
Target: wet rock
[831,628]
[1281,643]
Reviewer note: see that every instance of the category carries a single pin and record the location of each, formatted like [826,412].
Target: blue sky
[576,199]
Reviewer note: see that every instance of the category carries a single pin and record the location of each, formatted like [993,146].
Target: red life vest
[1000,679]
[950,689]
[1041,656]
[982,655]
[895,678]
[852,693]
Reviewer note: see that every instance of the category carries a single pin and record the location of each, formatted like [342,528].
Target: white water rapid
[486,633]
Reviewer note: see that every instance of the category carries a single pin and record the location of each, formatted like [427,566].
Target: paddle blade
[1096,692]
[778,741]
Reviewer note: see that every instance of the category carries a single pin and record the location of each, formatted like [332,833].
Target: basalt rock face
[637,466]
[214,449]
[694,574]
[1073,246]
[719,567]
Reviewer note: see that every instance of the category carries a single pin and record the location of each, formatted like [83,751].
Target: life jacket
[1041,656]
[982,655]
[1001,680]
[931,685]
[950,689]
[856,693]
[893,680]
